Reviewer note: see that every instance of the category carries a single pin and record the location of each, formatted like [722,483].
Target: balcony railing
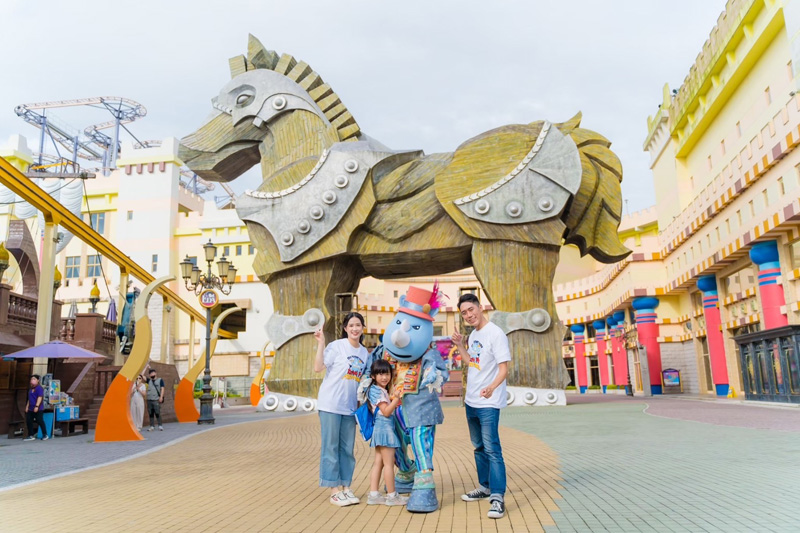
[22,310]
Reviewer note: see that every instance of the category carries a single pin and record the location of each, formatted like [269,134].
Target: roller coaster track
[96,145]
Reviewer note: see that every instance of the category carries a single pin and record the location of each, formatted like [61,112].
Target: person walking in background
[138,395]
[489,355]
[343,362]
[34,408]
[155,397]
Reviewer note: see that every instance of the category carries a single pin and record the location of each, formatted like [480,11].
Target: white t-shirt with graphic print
[487,348]
[344,366]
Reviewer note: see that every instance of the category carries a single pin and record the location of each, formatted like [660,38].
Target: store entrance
[770,364]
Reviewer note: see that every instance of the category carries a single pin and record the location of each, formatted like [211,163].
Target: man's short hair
[152,371]
[468,297]
[36,376]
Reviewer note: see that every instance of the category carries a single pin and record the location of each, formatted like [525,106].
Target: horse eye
[243,98]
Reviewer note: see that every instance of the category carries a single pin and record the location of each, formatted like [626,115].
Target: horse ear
[238,65]
[258,56]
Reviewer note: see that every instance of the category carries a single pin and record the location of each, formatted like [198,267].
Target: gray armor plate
[298,217]
[536,320]
[537,189]
[263,94]
[282,328]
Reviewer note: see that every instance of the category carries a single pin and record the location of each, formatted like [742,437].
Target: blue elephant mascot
[419,374]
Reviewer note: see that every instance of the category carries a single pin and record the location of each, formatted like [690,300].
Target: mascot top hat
[420,303]
[410,333]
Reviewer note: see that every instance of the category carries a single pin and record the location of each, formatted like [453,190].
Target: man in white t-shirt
[487,369]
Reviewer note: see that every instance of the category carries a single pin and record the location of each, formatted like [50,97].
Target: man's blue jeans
[483,424]
[336,461]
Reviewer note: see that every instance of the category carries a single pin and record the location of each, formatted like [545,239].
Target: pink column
[647,329]
[580,356]
[602,358]
[765,255]
[716,345]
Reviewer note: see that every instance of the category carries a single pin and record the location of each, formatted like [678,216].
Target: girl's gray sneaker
[396,499]
[376,499]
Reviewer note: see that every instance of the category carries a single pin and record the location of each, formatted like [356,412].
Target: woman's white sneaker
[351,497]
[340,499]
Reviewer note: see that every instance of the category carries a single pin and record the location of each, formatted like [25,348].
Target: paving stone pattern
[623,470]
[22,461]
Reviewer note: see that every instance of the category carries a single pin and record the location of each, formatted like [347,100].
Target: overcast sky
[414,74]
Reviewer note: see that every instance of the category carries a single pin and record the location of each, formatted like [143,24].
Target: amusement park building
[719,255]
[149,212]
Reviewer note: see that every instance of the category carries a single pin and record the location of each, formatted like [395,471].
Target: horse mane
[594,214]
[302,74]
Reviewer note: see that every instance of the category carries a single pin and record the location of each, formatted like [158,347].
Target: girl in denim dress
[384,439]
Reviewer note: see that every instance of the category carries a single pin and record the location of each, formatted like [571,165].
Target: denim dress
[383,434]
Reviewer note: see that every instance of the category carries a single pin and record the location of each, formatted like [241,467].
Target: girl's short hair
[346,320]
[380,366]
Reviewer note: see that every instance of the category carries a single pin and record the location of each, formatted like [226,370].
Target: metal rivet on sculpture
[503,203]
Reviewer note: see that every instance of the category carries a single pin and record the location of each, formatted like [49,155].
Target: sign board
[671,379]
[209,298]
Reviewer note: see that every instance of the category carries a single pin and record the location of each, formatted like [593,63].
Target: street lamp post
[629,336]
[204,285]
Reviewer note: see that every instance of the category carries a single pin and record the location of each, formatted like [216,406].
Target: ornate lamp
[211,251]
[94,296]
[186,268]
[198,281]
[223,265]
[56,279]
[4,257]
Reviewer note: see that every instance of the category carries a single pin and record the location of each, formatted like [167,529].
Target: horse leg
[519,277]
[293,292]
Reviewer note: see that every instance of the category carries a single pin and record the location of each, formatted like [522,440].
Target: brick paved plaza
[603,464]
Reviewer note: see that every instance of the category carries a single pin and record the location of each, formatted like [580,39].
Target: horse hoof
[422,501]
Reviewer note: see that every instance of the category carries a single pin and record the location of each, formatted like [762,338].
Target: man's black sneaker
[475,495]
[498,509]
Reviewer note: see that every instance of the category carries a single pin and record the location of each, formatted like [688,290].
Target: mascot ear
[403,301]
[434,312]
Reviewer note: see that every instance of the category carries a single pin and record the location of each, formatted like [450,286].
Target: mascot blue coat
[419,372]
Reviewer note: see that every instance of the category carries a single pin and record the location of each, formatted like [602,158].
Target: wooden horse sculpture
[336,206]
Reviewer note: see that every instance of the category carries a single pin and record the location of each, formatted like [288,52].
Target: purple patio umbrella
[111,315]
[54,350]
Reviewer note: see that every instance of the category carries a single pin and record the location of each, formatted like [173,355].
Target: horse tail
[594,213]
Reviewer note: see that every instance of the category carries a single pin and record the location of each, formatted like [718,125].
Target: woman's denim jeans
[336,460]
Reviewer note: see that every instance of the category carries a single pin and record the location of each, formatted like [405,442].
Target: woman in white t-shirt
[343,361]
